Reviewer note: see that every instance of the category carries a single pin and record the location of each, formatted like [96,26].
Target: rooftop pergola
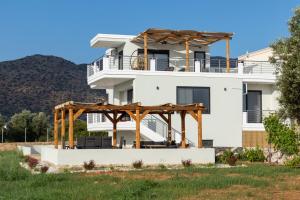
[182,37]
[115,112]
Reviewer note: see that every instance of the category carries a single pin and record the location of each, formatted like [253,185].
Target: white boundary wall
[127,156]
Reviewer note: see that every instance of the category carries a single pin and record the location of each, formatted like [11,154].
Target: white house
[166,66]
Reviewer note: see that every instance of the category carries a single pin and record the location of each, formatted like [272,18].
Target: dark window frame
[155,51]
[207,110]
[259,91]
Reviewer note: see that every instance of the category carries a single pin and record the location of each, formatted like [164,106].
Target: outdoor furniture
[94,142]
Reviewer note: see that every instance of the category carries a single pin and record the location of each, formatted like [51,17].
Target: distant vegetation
[37,125]
[38,83]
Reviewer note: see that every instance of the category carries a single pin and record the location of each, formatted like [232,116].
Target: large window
[189,95]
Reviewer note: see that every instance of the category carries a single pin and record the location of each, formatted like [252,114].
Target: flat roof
[109,40]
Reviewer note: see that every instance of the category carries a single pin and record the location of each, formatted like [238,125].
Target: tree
[40,123]
[287,56]
[17,125]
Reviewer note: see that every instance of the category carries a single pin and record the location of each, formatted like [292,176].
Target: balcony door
[161,57]
[120,60]
[254,106]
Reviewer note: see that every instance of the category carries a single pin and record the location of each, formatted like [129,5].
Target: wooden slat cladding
[255,139]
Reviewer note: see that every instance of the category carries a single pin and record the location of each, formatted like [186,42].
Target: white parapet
[75,157]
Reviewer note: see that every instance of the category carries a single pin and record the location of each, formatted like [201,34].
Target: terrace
[147,58]
[111,154]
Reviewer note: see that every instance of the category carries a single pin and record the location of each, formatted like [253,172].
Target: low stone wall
[126,156]
[11,146]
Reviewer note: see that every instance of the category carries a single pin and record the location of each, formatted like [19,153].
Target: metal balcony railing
[258,67]
[256,116]
[178,65]
[160,64]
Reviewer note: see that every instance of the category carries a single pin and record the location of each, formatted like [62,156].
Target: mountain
[38,83]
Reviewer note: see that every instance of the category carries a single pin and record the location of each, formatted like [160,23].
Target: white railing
[150,121]
[178,65]
[160,64]
[258,67]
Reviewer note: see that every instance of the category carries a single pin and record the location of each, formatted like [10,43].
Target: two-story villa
[175,66]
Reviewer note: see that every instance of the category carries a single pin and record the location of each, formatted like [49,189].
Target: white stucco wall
[127,156]
[223,124]
[269,95]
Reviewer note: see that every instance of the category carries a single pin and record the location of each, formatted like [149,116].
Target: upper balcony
[116,69]
[167,52]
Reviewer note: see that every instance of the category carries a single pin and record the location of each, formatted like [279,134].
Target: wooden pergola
[115,112]
[182,37]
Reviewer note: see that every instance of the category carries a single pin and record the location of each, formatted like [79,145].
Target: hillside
[40,82]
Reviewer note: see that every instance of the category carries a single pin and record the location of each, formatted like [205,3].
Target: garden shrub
[283,138]
[137,164]
[186,163]
[228,157]
[89,165]
[254,155]
[295,162]
[32,162]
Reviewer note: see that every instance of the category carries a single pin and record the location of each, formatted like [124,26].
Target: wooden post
[199,121]
[145,51]
[137,131]
[63,128]
[182,114]
[115,129]
[227,56]
[169,128]
[187,56]
[71,128]
[56,129]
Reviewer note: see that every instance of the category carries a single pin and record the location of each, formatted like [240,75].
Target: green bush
[228,157]
[253,155]
[281,136]
[295,162]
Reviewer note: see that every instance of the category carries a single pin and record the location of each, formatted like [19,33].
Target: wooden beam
[137,131]
[78,113]
[227,56]
[192,113]
[187,56]
[169,128]
[145,51]
[199,122]
[120,117]
[182,115]
[163,117]
[56,129]
[71,129]
[115,114]
[63,128]
[146,112]
[131,114]
[109,117]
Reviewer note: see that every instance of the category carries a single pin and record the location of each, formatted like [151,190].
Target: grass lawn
[257,181]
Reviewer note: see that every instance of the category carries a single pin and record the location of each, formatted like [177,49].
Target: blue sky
[65,27]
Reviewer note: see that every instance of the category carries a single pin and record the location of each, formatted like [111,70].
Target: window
[189,95]
[161,56]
